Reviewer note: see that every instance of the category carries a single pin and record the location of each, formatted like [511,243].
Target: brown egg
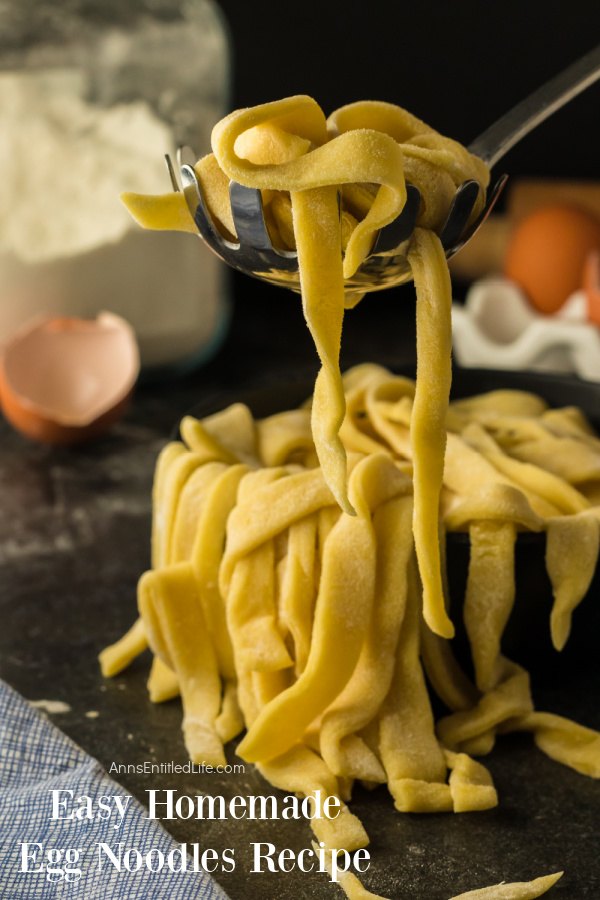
[547,250]
[66,380]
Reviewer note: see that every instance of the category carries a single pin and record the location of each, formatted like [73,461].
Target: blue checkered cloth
[35,758]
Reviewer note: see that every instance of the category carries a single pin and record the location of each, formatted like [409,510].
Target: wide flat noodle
[303,771]
[571,559]
[528,477]
[521,890]
[298,589]
[209,533]
[563,740]
[428,422]
[412,757]
[510,699]
[342,749]
[169,605]
[163,683]
[489,596]
[320,259]
[118,656]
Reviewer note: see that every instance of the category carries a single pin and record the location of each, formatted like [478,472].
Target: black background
[457,64]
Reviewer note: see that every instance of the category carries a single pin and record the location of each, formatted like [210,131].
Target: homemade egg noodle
[270,609]
[297,588]
[303,163]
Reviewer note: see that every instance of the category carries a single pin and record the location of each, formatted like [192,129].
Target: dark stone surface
[75,537]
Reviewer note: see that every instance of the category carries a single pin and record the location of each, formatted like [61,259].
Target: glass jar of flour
[93,93]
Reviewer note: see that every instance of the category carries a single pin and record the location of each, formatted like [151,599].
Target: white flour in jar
[68,245]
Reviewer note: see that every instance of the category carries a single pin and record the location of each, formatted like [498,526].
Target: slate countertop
[75,528]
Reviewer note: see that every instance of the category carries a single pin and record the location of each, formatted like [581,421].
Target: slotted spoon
[387,265]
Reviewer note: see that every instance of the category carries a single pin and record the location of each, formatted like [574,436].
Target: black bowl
[527,636]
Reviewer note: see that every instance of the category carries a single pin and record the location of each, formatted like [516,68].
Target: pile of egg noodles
[270,609]
[297,587]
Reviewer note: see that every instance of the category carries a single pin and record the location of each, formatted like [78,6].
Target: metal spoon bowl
[387,264]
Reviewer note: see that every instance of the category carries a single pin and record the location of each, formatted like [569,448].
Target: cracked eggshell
[67,380]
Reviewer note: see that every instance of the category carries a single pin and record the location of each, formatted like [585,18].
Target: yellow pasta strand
[304,772]
[471,785]
[509,699]
[361,698]
[572,459]
[320,258]
[118,656]
[351,885]
[489,597]
[443,671]
[208,536]
[269,511]
[567,742]
[411,755]
[299,589]
[163,683]
[229,435]
[182,467]
[164,464]
[169,598]
[283,436]
[521,890]
[188,509]
[230,721]
[160,212]
[428,429]
[527,476]
[571,558]
[251,614]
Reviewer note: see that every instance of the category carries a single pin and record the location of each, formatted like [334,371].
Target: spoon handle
[498,139]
